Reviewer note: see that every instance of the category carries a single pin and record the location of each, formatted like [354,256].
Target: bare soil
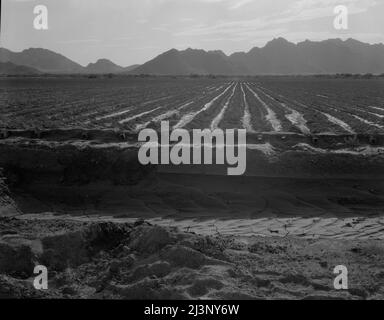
[144,261]
[77,206]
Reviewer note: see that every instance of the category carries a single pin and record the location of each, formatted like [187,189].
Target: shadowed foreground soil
[73,208]
[143,261]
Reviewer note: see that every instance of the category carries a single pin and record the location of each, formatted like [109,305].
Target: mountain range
[277,57]
[39,60]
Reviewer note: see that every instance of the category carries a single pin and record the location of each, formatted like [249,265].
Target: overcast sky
[134,31]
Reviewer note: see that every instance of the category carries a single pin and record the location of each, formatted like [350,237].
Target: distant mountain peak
[102,62]
[171,51]
[103,66]
[218,52]
[278,42]
[43,60]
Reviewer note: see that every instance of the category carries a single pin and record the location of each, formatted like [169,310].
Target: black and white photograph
[191,150]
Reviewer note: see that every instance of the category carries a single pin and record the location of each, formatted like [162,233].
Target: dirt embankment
[81,156]
[103,177]
[143,261]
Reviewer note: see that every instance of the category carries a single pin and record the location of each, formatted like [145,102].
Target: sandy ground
[106,257]
[243,206]
[142,261]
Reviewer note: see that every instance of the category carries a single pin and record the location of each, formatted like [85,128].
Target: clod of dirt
[150,239]
[181,256]
[105,236]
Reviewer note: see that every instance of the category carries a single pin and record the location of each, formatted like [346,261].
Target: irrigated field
[272,104]
[314,160]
